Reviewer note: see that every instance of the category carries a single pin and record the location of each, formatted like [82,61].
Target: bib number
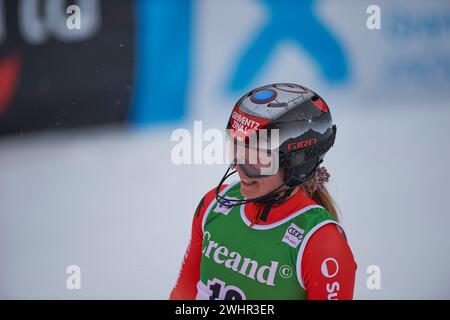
[220,291]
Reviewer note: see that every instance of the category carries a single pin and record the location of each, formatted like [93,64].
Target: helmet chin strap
[275,196]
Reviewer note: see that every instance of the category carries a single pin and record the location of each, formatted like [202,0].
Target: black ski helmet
[304,124]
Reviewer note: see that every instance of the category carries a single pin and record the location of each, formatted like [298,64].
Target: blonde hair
[323,198]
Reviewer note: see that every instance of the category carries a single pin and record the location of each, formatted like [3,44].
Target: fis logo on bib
[293,235]
[224,206]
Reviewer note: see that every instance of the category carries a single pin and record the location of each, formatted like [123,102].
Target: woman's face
[256,172]
[257,187]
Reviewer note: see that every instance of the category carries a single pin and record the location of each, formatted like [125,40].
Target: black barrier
[53,75]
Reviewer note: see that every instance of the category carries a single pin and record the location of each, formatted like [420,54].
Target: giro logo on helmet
[297,145]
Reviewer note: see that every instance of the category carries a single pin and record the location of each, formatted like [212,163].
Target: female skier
[274,234]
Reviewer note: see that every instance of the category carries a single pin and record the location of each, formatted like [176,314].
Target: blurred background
[86,117]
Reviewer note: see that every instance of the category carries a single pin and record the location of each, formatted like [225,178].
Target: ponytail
[323,198]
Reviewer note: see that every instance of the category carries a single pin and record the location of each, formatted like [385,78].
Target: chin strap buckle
[266,210]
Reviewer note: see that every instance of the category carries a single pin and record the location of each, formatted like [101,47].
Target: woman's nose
[240,171]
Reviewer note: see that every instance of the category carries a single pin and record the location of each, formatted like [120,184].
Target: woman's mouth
[247,182]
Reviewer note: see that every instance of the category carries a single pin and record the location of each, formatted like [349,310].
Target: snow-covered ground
[111,201]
